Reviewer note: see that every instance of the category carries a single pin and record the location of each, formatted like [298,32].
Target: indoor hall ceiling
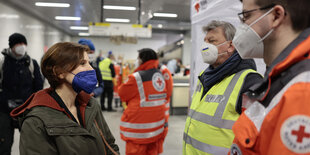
[90,11]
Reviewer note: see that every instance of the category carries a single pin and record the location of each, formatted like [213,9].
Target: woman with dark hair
[65,119]
[143,121]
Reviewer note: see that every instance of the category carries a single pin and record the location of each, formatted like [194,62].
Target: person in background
[117,81]
[19,77]
[172,66]
[108,73]
[143,121]
[217,100]
[278,120]
[92,58]
[65,118]
[169,87]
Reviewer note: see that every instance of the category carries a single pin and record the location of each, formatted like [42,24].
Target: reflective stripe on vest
[143,102]
[205,147]
[213,121]
[105,70]
[167,105]
[142,125]
[143,135]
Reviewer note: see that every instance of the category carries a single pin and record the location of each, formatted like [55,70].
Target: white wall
[186,57]
[37,33]
[129,51]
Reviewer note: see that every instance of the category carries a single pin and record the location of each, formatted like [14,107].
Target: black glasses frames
[242,14]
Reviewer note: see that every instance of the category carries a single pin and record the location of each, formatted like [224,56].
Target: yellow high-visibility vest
[208,128]
[105,70]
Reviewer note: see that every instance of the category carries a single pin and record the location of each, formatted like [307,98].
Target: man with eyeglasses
[278,118]
[216,103]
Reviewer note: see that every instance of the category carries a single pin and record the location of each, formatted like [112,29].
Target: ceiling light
[9,16]
[117,20]
[79,27]
[67,18]
[43,4]
[114,7]
[170,15]
[160,25]
[84,34]
[33,27]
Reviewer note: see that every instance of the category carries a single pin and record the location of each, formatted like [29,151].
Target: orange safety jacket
[169,86]
[145,93]
[278,118]
[117,80]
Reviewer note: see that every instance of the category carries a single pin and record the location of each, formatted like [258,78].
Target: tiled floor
[172,145]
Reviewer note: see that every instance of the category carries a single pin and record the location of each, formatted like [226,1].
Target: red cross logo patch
[295,133]
[158,82]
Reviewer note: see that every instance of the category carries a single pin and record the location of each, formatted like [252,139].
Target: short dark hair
[298,10]
[147,54]
[61,57]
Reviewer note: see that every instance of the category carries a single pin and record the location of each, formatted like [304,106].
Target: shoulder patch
[295,133]
[166,76]
[158,82]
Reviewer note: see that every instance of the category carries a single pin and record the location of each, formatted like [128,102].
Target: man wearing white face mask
[216,103]
[19,77]
[278,120]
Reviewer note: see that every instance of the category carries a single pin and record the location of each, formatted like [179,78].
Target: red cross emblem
[197,6]
[159,81]
[301,134]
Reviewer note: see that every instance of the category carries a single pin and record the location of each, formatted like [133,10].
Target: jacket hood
[148,65]
[43,98]
[8,52]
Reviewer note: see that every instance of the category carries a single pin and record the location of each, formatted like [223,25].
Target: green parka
[46,129]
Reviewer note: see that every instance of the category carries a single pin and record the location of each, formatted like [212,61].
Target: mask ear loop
[261,17]
[221,45]
[266,35]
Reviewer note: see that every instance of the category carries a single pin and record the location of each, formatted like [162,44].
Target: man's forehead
[215,33]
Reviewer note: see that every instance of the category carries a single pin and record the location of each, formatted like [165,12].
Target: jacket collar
[42,98]
[293,53]
[8,52]
[148,65]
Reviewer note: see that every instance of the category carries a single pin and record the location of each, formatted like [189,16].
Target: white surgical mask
[248,43]
[21,50]
[209,52]
[92,57]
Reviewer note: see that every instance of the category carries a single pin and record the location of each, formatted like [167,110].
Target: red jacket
[145,93]
[169,86]
[278,122]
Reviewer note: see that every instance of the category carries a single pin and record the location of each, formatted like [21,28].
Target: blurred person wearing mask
[19,77]
[107,70]
[278,120]
[143,121]
[92,58]
[217,100]
[65,118]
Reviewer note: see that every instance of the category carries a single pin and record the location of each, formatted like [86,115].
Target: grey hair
[228,28]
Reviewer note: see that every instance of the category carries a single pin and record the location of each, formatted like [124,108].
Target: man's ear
[278,15]
[231,48]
